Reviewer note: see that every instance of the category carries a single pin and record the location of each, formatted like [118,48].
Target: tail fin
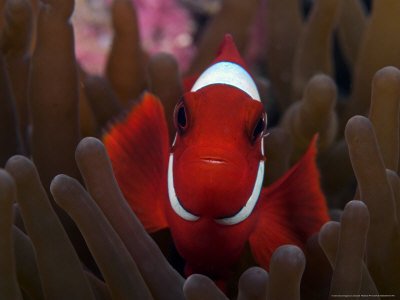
[291,209]
[138,148]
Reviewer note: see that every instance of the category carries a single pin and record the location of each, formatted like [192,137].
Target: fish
[207,187]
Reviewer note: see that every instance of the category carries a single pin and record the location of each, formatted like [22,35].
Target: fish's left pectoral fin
[291,209]
[138,147]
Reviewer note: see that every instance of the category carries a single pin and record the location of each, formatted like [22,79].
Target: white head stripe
[229,73]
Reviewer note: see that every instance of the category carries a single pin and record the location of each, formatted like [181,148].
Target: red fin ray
[228,51]
[291,209]
[138,148]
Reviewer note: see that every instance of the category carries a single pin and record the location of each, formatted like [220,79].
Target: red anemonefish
[207,187]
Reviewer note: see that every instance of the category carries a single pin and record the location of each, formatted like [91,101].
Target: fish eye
[260,127]
[181,120]
[182,116]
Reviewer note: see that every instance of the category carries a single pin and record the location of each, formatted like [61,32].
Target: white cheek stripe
[251,203]
[237,218]
[173,143]
[229,73]
[262,146]
[173,199]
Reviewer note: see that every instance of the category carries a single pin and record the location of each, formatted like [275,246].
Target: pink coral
[165,26]
[92,31]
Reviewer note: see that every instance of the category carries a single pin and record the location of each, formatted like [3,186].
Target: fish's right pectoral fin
[291,209]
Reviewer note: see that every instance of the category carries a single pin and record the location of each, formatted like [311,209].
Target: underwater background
[71,68]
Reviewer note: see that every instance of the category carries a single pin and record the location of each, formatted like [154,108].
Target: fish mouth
[213,156]
[239,217]
[213,160]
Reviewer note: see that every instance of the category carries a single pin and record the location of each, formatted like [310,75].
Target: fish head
[216,156]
